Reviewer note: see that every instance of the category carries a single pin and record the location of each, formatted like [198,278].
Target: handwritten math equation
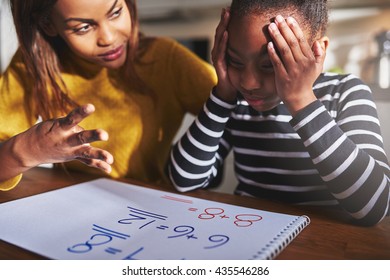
[139,220]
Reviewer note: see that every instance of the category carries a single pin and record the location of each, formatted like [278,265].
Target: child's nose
[249,80]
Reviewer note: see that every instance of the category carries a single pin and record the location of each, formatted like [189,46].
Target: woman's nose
[106,35]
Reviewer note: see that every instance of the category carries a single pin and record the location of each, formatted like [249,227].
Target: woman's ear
[48,28]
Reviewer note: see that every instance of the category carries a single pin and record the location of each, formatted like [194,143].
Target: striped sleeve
[197,157]
[348,151]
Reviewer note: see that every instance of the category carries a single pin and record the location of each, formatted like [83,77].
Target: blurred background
[359,33]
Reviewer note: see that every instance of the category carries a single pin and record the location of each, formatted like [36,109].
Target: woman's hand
[224,88]
[296,64]
[61,140]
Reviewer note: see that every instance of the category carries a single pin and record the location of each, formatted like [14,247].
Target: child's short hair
[314,13]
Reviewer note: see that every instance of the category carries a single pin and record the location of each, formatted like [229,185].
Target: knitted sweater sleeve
[13,108]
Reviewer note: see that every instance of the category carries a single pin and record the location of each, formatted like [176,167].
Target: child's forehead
[269,15]
[249,33]
[266,17]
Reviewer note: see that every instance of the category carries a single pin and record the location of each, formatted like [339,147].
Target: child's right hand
[61,140]
[224,89]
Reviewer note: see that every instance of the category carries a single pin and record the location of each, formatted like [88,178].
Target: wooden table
[329,236]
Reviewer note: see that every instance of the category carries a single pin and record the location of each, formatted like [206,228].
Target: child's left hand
[296,64]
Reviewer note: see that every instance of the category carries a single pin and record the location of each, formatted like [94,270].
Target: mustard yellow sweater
[141,131]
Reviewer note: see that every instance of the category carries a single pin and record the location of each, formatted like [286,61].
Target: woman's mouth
[113,54]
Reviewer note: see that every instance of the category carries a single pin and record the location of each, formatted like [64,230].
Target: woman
[75,53]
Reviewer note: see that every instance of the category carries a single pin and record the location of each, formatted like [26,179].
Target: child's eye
[116,13]
[233,62]
[267,67]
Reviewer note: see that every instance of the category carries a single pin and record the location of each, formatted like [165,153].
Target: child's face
[96,30]
[249,67]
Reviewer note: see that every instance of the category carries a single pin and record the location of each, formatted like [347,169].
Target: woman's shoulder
[17,61]
[154,47]
[16,69]
[148,42]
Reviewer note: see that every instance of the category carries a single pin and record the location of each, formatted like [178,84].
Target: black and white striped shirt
[330,153]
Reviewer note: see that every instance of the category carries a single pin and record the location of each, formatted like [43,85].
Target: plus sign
[191,237]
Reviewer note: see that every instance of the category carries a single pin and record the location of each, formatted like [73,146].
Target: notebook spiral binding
[282,239]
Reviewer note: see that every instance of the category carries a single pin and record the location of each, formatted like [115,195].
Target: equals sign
[112,251]
[109,232]
[162,227]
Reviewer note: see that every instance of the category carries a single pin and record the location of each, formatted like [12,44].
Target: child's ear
[324,42]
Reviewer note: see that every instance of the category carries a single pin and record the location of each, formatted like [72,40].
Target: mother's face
[95,30]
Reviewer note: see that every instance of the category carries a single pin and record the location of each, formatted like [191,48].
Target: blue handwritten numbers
[131,232]
[219,239]
[184,231]
[103,237]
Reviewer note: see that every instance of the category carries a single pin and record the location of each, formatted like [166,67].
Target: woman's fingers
[95,157]
[88,154]
[91,153]
[76,116]
[87,136]
[62,140]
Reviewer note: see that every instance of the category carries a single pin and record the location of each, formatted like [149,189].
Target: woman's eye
[116,13]
[82,30]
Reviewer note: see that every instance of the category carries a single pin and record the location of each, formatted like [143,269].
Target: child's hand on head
[61,140]
[296,64]
[224,88]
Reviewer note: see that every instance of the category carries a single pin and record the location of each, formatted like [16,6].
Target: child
[298,135]
[75,53]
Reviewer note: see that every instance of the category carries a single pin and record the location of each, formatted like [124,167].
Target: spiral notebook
[107,219]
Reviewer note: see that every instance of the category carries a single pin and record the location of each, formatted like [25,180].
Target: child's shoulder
[329,83]
[342,77]
[328,79]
